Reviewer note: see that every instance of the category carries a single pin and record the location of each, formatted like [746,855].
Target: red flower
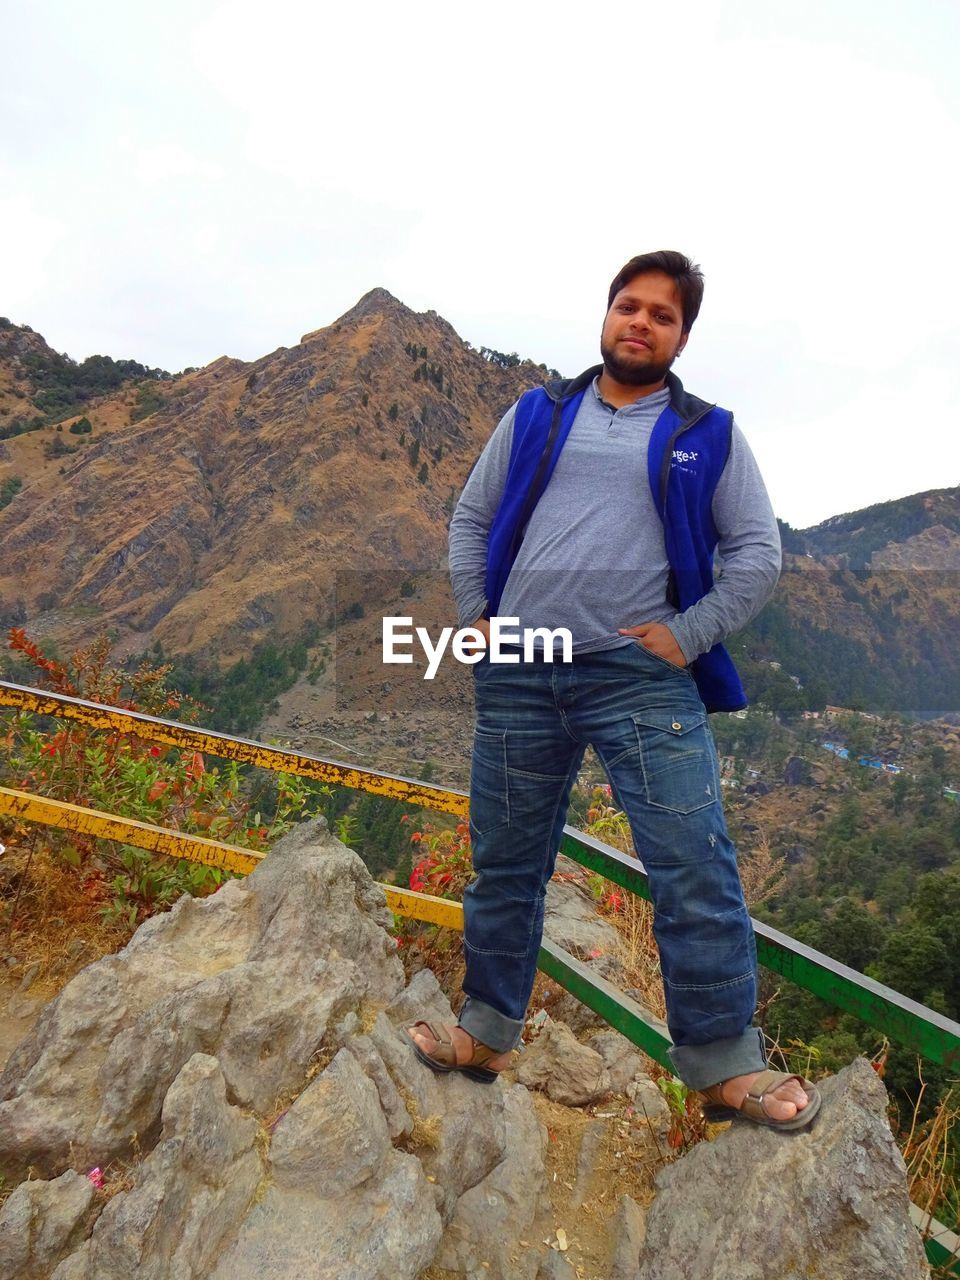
[416,837]
[155,751]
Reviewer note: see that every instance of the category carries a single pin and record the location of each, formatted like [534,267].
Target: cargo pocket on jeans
[489,792]
[678,759]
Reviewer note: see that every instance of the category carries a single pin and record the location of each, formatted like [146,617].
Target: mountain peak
[377,301]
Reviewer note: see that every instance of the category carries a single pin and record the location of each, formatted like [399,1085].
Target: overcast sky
[180,181]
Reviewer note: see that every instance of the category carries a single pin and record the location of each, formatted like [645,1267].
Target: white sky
[184,180]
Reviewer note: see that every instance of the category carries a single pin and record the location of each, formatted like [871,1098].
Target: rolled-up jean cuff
[489,1026]
[701,1065]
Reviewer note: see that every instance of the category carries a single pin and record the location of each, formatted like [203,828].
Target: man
[597,505]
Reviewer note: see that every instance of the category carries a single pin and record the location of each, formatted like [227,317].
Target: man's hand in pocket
[659,639]
[483,626]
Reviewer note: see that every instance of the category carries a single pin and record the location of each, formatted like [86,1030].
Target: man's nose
[640,321]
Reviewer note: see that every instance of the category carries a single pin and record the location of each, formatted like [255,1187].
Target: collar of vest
[685,406]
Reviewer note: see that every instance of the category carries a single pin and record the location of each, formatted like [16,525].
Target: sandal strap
[482,1053]
[444,1052]
[767,1082]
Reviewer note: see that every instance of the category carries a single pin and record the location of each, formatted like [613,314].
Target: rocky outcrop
[568,1071]
[242,1073]
[258,976]
[40,1223]
[824,1203]
[245,1058]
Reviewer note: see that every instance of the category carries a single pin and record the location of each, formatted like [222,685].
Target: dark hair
[686,274]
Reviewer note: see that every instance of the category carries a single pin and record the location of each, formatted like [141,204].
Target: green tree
[913,962]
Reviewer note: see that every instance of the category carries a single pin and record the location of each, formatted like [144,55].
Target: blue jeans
[644,718]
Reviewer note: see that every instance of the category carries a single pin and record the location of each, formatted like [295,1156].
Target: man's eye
[665,318]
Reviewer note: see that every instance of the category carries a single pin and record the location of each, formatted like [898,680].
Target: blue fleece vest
[682,489]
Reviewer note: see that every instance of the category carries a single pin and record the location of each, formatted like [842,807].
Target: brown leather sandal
[752,1108]
[444,1056]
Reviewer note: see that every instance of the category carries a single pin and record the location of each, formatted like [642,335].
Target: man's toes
[784,1103]
[423,1039]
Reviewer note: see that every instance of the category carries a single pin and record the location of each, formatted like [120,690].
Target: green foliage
[62,384]
[57,448]
[82,426]
[20,427]
[149,400]
[9,488]
[124,774]
[423,473]
[499,358]
[393,411]
[414,452]
[895,673]
[860,533]
[791,539]
[238,699]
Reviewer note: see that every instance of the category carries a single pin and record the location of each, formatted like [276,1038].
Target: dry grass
[760,871]
[52,918]
[425,1135]
[927,1151]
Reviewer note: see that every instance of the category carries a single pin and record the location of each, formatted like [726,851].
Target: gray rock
[824,1203]
[491,1217]
[796,772]
[334,1136]
[247,975]
[591,1145]
[556,1266]
[421,1000]
[40,1222]
[191,1192]
[377,1167]
[622,1059]
[579,1017]
[651,1106]
[388,1229]
[627,1231]
[571,921]
[29,976]
[399,1121]
[567,1071]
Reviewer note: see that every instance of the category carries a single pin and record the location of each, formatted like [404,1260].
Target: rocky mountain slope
[222,517]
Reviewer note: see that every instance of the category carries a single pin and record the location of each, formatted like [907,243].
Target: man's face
[643,330]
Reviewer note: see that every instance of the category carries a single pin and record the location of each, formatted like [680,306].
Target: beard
[633,375]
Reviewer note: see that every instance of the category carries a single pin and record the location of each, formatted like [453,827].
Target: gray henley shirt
[593,557]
